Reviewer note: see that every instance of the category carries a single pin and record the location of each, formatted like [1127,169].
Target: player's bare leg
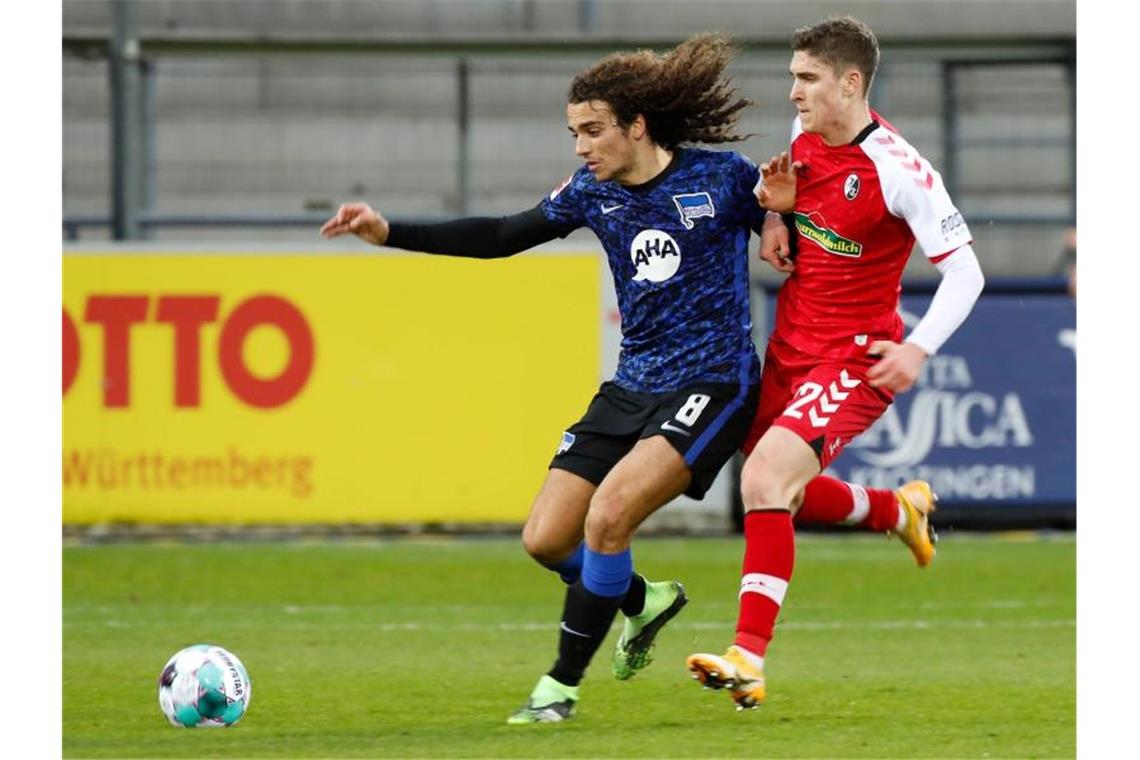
[553,537]
[648,477]
[644,480]
[556,524]
[553,534]
[773,477]
[631,493]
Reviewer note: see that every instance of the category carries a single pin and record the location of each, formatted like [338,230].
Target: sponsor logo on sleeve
[554,193]
[952,224]
[693,206]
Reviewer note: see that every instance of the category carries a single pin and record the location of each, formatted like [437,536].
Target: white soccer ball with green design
[204,686]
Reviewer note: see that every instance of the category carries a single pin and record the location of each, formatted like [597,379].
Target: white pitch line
[375,609]
[806,625]
[835,625]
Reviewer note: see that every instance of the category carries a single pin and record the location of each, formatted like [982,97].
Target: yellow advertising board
[263,388]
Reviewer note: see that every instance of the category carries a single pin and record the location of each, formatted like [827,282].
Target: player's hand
[899,367]
[778,184]
[359,219]
[775,245]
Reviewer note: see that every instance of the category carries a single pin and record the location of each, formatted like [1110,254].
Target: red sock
[769,554]
[830,501]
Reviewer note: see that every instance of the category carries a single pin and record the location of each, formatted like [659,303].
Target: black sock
[586,619]
[634,601]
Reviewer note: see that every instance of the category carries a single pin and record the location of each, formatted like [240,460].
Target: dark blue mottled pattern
[692,324]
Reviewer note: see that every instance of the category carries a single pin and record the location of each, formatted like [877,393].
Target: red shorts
[826,402]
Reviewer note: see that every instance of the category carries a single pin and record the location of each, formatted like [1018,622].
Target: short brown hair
[841,42]
[684,95]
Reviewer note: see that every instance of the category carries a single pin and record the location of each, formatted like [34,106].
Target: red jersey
[859,209]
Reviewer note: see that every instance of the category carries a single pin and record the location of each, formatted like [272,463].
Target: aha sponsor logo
[186,314]
[656,256]
[814,227]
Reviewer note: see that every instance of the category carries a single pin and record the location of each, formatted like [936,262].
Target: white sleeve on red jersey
[962,283]
[913,191]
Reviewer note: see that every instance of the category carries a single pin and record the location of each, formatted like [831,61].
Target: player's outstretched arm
[361,220]
[476,237]
[778,184]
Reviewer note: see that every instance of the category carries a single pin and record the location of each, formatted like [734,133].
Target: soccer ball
[204,686]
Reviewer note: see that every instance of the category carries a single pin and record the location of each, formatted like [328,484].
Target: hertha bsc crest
[851,187]
[693,206]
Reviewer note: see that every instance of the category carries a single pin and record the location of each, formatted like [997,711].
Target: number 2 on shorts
[807,393]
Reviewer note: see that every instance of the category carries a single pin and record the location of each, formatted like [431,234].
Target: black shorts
[706,424]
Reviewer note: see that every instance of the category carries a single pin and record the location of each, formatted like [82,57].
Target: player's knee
[756,494]
[761,487]
[608,527]
[797,501]
[544,548]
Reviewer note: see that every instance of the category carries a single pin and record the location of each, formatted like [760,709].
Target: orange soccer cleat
[731,671]
[918,501]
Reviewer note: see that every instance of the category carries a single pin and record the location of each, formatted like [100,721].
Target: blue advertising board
[992,420]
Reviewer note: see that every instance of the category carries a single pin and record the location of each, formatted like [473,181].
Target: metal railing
[132,74]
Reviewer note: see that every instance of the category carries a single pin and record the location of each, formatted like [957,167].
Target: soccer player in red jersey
[836,357]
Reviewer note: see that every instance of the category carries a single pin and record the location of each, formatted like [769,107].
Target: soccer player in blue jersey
[674,221]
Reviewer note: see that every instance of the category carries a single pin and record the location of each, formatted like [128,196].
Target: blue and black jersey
[678,252]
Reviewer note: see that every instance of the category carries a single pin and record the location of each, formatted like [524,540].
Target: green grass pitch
[421,648]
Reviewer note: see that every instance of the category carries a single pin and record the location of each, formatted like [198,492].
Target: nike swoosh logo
[608,209]
[570,630]
[667,425]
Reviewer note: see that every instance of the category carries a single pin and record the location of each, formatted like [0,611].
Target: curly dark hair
[840,42]
[684,95]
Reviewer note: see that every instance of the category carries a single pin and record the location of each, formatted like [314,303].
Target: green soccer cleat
[550,702]
[634,650]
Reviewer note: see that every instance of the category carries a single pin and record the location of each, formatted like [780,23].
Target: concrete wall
[965,19]
[284,134]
